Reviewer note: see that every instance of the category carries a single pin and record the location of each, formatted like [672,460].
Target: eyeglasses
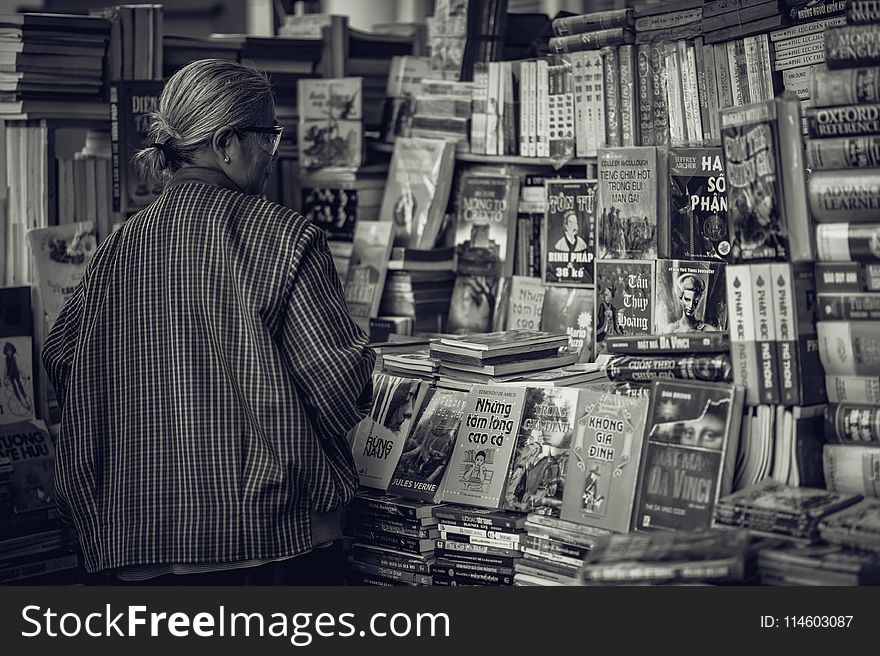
[275,130]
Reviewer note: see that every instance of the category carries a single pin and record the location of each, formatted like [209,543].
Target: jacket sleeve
[60,346]
[326,352]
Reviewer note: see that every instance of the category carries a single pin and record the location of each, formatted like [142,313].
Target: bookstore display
[623,282]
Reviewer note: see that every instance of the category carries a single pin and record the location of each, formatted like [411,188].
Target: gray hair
[199,99]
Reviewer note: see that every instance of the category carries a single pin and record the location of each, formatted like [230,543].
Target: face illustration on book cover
[570,310]
[690,297]
[477,470]
[537,472]
[756,227]
[570,235]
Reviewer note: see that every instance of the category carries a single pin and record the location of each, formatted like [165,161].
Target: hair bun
[167,150]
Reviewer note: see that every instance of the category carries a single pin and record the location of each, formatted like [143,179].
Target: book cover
[484,444]
[673,344]
[330,128]
[335,210]
[698,205]
[378,439]
[624,299]
[415,197]
[570,311]
[568,241]
[525,304]
[61,254]
[485,224]
[367,269]
[713,367]
[135,101]
[504,340]
[629,211]
[604,461]
[692,437]
[852,469]
[473,305]
[689,297]
[30,448]
[536,478]
[427,449]
[16,341]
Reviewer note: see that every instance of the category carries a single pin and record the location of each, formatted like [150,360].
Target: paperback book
[690,297]
[485,227]
[569,239]
[570,311]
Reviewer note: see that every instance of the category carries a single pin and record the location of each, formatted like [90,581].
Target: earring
[226,159]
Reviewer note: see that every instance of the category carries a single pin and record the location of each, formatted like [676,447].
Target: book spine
[483,522]
[765,335]
[711,93]
[661,106]
[847,277]
[645,95]
[849,307]
[589,41]
[736,89]
[743,355]
[116,169]
[848,348]
[592,22]
[809,373]
[581,94]
[687,92]
[702,90]
[742,70]
[521,72]
[843,242]
[390,573]
[598,132]
[629,122]
[750,49]
[765,67]
[862,12]
[851,469]
[852,46]
[543,106]
[843,153]
[612,96]
[712,368]
[668,344]
[845,87]
[853,389]
[675,100]
[786,333]
[807,28]
[838,196]
[722,74]
[456,564]
[695,129]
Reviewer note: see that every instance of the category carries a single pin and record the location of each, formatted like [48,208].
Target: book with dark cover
[851,46]
[536,478]
[692,436]
[486,439]
[846,121]
[378,440]
[568,241]
[674,344]
[604,461]
[481,517]
[131,104]
[632,202]
[698,205]
[763,166]
[16,340]
[428,447]
[485,224]
[852,423]
[773,507]
[335,210]
[624,299]
[689,297]
[394,506]
[710,368]
[32,452]
[570,311]
[849,307]
[474,304]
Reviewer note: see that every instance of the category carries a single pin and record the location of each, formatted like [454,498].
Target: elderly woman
[207,367]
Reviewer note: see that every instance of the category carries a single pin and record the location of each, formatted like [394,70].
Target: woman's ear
[224,142]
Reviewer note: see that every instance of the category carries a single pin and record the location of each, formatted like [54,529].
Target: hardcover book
[485,224]
[604,461]
[367,269]
[378,440]
[536,478]
[689,297]
[698,209]
[568,241]
[131,104]
[632,203]
[484,444]
[415,197]
[692,437]
[331,123]
[624,298]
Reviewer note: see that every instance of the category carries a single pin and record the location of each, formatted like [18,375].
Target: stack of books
[497,357]
[389,540]
[554,550]
[136,47]
[856,527]
[419,286]
[770,507]
[442,110]
[53,66]
[417,364]
[477,546]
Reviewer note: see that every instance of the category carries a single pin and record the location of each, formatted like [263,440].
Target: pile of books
[554,550]
[477,546]
[136,47]
[389,540]
[442,110]
[53,66]
[497,357]
[418,286]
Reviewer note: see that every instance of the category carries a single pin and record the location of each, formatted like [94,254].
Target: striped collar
[204,175]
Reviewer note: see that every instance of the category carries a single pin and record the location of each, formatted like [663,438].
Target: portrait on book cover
[690,297]
[569,233]
[477,470]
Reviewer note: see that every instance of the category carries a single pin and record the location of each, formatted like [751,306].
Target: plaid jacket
[208,372]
